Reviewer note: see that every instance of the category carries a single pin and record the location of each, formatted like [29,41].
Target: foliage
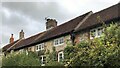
[52,56]
[103,51]
[54,63]
[69,53]
[52,59]
[41,52]
[83,44]
[21,59]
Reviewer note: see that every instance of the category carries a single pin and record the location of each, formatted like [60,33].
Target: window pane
[99,31]
[93,33]
[44,60]
[36,47]
[60,56]
[56,42]
[41,59]
[60,41]
[42,47]
[39,46]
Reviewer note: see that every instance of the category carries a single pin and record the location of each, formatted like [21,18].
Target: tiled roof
[105,15]
[56,31]
[62,29]
[27,41]
[8,45]
[66,28]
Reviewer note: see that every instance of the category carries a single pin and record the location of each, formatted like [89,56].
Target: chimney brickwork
[51,23]
[11,39]
[21,35]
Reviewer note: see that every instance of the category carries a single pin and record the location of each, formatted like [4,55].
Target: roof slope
[103,15]
[63,29]
[66,28]
[52,33]
[8,45]
[22,42]
[27,41]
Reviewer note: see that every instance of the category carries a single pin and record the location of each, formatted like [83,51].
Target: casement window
[60,56]
[43,59]
[97,32]
[100,31]
[40,47]
[58,41]
[26,52]
[21,50]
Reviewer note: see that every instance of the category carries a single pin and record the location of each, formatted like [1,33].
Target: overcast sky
[30,16]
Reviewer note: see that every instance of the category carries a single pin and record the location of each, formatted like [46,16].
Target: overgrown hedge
[103,51]
[21,59]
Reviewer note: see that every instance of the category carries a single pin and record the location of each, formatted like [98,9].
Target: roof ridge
[106,8]
[74,18]
[69,21]
[35,35]
[39,36]
[84,19]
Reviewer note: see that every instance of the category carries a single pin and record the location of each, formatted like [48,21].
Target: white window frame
[96,32]
[40,47]
[101,31]
[26,52]
[21,50]
[59,56]
[59,41]
[41,60]
[91,31]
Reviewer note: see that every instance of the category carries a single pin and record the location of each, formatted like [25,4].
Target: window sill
[39,50]
[59,45]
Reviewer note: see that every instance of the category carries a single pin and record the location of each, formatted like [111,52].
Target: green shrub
[103,51]
[54,63]
[21,59]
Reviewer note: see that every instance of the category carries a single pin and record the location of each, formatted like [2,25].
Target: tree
[21,59]
[103,51]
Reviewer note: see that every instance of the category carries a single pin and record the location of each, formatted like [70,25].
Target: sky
[29,15]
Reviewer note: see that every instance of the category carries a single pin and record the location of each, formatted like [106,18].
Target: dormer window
[40,47]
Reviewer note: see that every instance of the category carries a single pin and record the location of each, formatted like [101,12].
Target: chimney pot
[21,34]
[11,39]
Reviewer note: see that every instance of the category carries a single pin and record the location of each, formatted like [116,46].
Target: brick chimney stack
[51,23]
[11,38]
[21,34]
